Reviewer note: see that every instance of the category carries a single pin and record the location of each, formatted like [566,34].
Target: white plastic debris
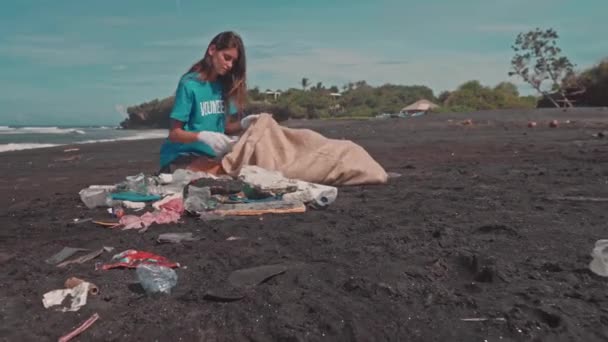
[78,296]
[165,178]
[134,205]
[273,181]
[599,264]
[179,179]
[157,205]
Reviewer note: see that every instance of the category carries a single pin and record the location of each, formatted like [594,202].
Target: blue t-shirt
[200,106]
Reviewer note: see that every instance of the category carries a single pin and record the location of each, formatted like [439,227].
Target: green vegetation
[357,99]
[538,61]
[591,86]
[472,96]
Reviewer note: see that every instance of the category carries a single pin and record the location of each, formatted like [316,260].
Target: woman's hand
[248,120]
[219,143]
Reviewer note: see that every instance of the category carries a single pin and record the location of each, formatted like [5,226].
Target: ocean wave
[39,130]
[52,130]
[24,146]
[157,134]
[154,134]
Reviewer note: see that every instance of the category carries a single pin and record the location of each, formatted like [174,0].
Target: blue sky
[74,62]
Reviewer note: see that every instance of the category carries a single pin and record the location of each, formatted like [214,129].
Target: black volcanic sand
[472,229]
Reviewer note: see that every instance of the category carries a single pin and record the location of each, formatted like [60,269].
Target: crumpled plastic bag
[77,294]
[132,258]
[599,264]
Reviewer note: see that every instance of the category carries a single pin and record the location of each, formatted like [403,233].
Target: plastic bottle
[93,198]
[137,184]
[199,199]
[156,279]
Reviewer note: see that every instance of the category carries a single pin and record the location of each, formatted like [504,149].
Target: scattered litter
[221,186]
[116,212]
[290,189]
[107,224]
[234,238]
[553,123]
[65,253]
[165,178]
[84,326]
[71,150]
[175,237]
[134,205]
[256,275]
[77,295]
[180,179]
[131,222]
[72,282]
[260,208]
[255,191]
[170,212]
[87,257]
[532,124]
[133,197]
[132,258]
[393,175]
[199,199]
[599,264]
[175,205]
[157,205]
[146,220]
[156,278]
[483,319]
[466,122]
[602,134]
[96,195]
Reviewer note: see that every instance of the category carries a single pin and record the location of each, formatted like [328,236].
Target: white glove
[219,143]
[246,121]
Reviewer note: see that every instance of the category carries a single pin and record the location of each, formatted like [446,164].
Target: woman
[208,99]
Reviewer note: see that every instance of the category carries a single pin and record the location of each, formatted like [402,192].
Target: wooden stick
[80,329]
[256,212]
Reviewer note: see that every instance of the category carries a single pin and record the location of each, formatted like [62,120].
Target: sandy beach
[479,239]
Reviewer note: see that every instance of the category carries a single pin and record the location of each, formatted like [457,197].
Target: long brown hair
[234,83]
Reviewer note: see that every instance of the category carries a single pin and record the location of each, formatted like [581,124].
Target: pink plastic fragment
[80,329]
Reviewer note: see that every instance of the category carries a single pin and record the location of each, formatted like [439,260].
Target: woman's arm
[177,134]
[233,124]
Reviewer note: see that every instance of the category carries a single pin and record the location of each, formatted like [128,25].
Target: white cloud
[120,67]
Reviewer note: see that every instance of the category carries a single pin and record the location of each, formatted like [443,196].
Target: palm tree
[304,83]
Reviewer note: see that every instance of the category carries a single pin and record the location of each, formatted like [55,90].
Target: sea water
[14,138]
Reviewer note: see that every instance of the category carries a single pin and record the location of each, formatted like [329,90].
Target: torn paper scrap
[78,296]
